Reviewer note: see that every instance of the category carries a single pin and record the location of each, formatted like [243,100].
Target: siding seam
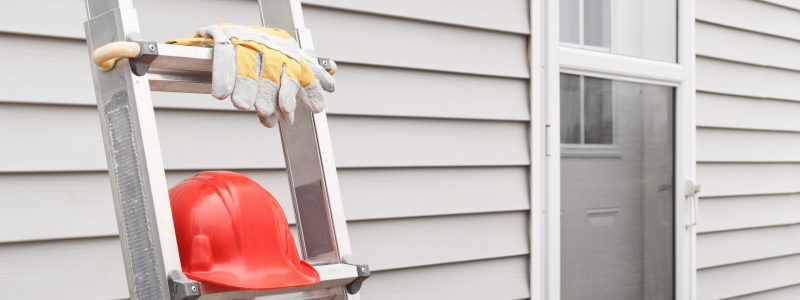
[749,261]
[732,27]
[727,60]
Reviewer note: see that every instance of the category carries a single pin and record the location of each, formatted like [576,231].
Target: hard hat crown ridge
[232,232]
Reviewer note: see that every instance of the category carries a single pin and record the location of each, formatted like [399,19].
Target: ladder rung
[183,69]
[331,276]
[166,80]
[187,58]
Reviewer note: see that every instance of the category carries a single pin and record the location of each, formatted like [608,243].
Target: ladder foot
[181,287]
[363,274]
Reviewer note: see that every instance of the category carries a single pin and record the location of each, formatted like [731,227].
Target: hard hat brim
[289,277]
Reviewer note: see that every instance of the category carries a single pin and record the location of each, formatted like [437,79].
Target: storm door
[617,174]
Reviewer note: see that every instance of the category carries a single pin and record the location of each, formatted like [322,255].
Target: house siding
[435,181]
[748,93]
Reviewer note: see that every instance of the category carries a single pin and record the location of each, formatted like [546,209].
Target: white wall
[748,137]
[434,179]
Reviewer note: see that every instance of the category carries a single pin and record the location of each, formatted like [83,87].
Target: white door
[616,189]
[613,86]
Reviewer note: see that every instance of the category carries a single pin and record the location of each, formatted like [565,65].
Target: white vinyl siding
[748,149]
[430,138]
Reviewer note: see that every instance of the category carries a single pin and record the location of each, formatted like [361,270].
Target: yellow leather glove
[263,69]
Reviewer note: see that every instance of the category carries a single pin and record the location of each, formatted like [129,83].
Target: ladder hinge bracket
[181,287]
[149,52]
[363,274]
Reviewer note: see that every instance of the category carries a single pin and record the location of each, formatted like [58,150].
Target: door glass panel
[596,23]
[568,28]
[571,116]
[640,28]
[597,111]
[587,115]
[617,225]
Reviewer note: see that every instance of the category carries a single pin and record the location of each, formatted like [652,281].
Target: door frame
[547,60]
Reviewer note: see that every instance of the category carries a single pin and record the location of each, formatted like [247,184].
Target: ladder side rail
[309,158]
[133,154]
[309,161]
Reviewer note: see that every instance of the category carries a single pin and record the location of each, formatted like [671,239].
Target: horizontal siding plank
[69,269]
[52,206]
[731,179]
[746,46]
[370,39]
[729,213]
[793,4]
[20,15]
[728,145]
[233,140]
[370,142]
[66,71]
[505,278]
[747,278]
[727,111]
[391,244]
[510,16]
[361,89]
[364,90]
[409,192]
[751,15]
[783,293]
[736,246]
[58,18]
[732,78]
[35,205]
[75,131]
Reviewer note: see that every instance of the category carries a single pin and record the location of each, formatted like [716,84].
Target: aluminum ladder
[138,180]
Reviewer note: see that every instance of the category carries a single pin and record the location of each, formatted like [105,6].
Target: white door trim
[544,247]
[618,67]
[547,60]
[685,160]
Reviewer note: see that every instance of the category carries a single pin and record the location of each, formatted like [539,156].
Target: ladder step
[166,80]
[182,69]
[331,276]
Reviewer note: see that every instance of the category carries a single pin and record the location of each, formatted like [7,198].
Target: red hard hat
[232,233]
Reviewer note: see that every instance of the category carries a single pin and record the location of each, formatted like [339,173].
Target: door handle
[692,189]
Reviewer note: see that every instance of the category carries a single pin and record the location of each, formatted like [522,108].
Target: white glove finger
[267,95]
[245,90]
[325,80]
[287,97]
[312,97]
[269,121]
[224,67]
[224,70]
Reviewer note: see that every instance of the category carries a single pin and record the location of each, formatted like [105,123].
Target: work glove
[263,69]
